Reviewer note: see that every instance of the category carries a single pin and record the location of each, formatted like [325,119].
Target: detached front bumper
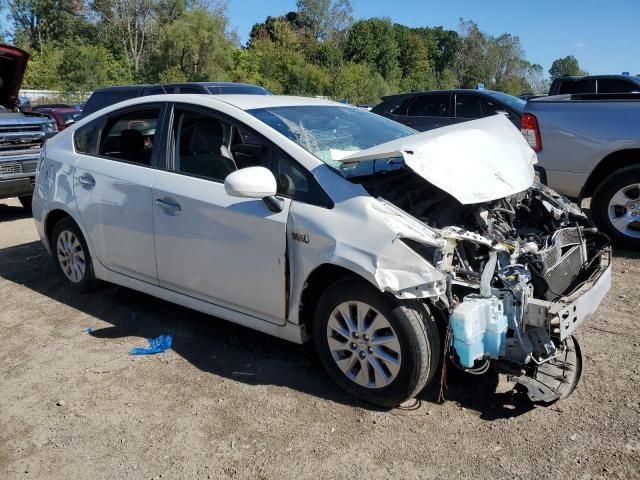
[564,315]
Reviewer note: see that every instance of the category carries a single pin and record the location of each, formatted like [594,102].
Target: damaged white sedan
[396,251]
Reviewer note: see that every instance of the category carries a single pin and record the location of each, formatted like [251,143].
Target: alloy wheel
[71,256]
[363,344]
[624,210]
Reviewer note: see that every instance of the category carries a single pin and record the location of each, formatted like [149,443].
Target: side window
[577,86]
[189,90]
[399,107]
[614,85]
[130,136]
[468,106]
[200,147]
[433,105]
[85,138]
[490,108]
[296,182]
[210,147]
[153,91]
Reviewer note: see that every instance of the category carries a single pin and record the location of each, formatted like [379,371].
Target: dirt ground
[227,402]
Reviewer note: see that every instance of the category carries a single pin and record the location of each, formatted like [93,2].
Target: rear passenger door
[116,158]
[428,111]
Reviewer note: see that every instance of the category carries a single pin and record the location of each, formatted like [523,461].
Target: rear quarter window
[85,138]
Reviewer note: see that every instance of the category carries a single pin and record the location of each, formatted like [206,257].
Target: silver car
[395,251]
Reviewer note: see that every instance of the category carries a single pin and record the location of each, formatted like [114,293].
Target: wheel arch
[316,282]
[53,217]
[612,162]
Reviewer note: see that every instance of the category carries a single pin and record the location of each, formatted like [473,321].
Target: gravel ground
[227,402]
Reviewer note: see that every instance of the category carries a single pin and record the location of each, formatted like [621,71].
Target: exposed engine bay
[522,273]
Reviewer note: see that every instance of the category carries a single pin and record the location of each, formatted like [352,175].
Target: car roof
[483,91]
[248,102]
[243,102]
[146,85]
[597,77]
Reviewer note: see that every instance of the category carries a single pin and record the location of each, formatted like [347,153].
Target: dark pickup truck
[22,135]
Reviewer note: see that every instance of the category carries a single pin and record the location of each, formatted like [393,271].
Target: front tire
[378,349]
[72,256]
[615,206]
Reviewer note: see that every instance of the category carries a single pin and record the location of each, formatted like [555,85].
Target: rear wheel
[615,206]
[25,201]
[376,348]
[72,256]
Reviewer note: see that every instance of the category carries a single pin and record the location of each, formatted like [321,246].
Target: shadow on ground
[222,348]
[9,213]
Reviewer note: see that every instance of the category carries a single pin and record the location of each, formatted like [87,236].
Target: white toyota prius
[397,252]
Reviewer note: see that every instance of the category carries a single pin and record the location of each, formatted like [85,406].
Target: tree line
[318,49]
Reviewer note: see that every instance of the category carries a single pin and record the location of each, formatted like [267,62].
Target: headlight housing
[49,127]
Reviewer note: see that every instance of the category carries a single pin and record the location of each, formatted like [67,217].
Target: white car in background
[299,217]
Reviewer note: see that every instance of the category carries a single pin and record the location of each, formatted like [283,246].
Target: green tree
[86,67]
[326,18]
[565,67]
[43,69]
[413,60]
[196,45]
[373,42]
[38,22]
[357,83]
[443,46]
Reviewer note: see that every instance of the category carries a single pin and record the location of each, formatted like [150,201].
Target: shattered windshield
[332,132]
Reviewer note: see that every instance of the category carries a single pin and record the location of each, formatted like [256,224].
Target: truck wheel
[378,349]
[72,256]
[25,201]
[615,206]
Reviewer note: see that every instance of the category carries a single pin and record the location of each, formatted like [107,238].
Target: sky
[602,34]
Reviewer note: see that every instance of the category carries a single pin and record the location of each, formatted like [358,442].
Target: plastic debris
[88,330]
[156,345]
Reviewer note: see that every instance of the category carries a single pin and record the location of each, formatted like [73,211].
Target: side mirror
[251,182]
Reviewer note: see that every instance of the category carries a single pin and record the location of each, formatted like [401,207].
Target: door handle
[87,180]
[169,206]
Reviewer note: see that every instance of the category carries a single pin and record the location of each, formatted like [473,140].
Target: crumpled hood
[476,161]
[13,62]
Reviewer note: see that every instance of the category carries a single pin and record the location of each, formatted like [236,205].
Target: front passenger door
[225,250]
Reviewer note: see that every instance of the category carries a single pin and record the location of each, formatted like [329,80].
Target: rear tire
[72,256]
[25,201]
[615,206]
[388,356]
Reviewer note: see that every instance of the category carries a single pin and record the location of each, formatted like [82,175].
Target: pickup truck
[21,134]
[588,146]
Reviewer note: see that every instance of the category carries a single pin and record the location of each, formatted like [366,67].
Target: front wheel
[615,206]
[376,348]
